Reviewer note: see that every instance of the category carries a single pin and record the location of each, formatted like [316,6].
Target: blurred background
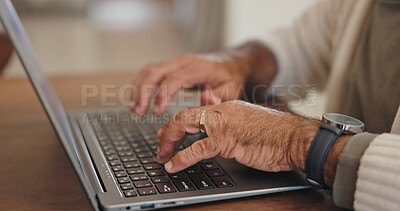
[105,36]
[83,37]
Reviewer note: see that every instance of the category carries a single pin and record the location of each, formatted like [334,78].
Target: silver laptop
[113,151]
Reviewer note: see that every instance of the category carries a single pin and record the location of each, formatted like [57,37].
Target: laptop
[113,151]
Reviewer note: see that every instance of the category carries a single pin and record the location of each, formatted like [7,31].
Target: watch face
[344,122]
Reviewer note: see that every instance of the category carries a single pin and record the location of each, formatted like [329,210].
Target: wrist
[333,159]
[255,61]
[302,137]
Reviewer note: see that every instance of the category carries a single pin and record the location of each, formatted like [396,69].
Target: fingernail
[138,110]
[168,165]
[156,109]
[217,100]
[158,134]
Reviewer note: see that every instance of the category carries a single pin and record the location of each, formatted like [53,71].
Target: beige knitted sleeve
[378,183]
[304,50]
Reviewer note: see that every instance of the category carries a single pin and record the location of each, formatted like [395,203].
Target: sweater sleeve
[304,51]
[378,183]
[346,172]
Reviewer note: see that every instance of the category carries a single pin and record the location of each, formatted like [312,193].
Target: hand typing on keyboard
[255,136]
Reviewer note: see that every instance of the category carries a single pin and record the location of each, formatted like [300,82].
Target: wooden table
[36,174]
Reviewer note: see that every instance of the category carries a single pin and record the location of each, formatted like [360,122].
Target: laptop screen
[52,105]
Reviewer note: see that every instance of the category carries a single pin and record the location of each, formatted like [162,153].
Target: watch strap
[320,147]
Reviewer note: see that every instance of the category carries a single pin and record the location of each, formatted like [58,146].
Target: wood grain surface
[36,174]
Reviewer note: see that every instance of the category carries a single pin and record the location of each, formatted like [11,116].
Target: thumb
[198,151]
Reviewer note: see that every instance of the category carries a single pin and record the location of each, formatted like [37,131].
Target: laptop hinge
[86,161]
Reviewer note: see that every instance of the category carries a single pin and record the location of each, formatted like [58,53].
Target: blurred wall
[254,18]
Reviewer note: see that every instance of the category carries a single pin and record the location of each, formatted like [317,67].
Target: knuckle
[216,119]
[184,112]
[204,147]
[195,152]
[152,71]
[172,78]
[208,146]
[178,117]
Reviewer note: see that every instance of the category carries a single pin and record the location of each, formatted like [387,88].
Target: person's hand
[220,76]
[255,136]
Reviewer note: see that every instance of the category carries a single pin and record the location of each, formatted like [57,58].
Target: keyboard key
[210,166]
[125,153]
[138,177]
[127,186]
[130,193]
[128,159]
[207,161]
[120,174]
[144,155]
[141,149]
[154,147]
[201,181]
[107,147]
[147,191]
[215,173]
[154,141]
[177,175]
[138,144]
[155,173]
[148,160]
[123,180]
[152,166]
[162,179]
[142,184]
[122,148]
[137,170]
[112,157]
[131,164]
[222,182]
[117,168]
[110,152]
[193,170]
[184,185]
[165,188]
[121,143]
[115,163]
[180,148]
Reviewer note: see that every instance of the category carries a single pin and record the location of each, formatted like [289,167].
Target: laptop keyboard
[129,144]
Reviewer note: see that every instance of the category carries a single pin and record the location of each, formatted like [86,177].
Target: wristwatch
[333,125]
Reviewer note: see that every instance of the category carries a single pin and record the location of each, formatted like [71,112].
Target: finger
[174,132]
[150,79]
[135,90]
[174,81]
[186,122]
[209,98]
[198,151]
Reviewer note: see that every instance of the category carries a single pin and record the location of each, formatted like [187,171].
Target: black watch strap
[318,152]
